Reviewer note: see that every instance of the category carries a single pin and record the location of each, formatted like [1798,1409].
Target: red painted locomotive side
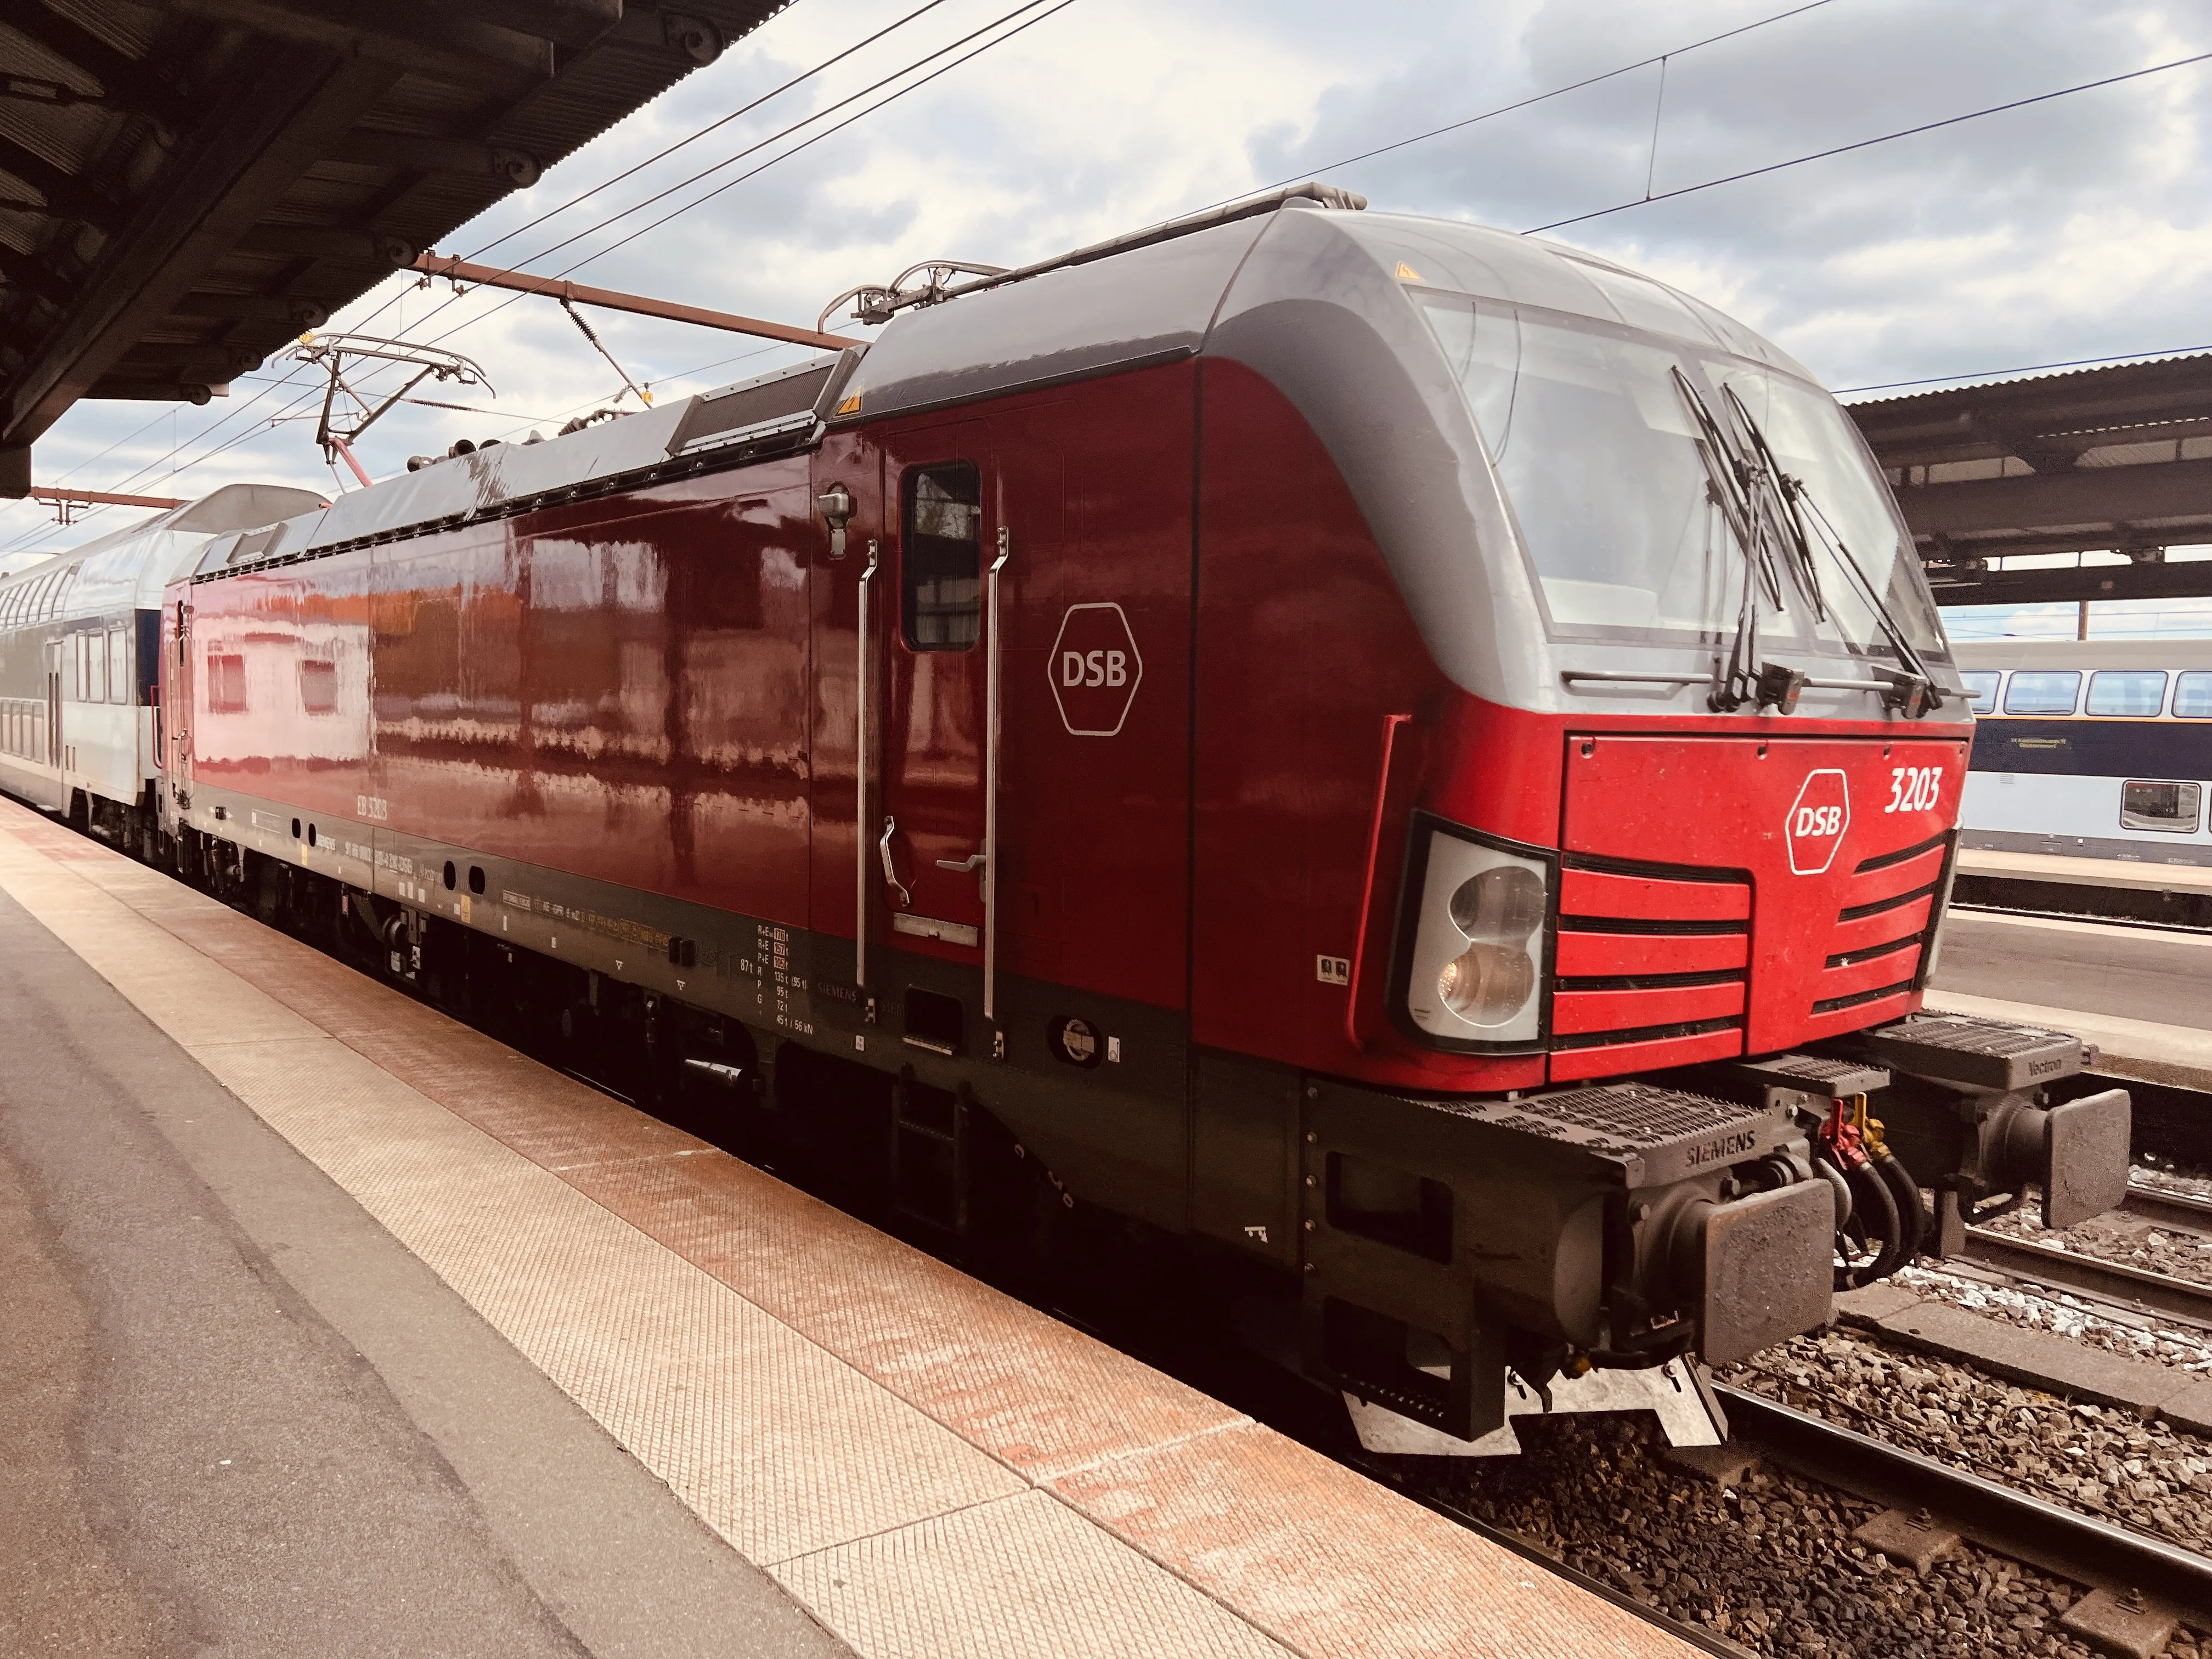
[658,691]
[1092,485]
[616,690]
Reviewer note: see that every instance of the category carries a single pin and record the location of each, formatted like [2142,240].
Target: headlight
[1475,976]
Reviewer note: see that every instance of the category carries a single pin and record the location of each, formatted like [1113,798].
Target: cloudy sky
[2076,228]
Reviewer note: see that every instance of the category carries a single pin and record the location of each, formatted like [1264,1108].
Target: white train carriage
[80,639]
[2096,749]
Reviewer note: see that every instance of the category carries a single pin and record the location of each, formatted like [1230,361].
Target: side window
[95,666]
[119,667]
[942,600]
[1982,689]
[2192,695]
[2172,807]
[2134,691]
[2043,691]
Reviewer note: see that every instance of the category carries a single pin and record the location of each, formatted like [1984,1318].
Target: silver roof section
[457,489]
[127,569]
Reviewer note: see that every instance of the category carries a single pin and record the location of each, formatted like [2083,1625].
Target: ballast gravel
[2099,1460]
[2134,1336]
[1770,1564]
[2131,1240]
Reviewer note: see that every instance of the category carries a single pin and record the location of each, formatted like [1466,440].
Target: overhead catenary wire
[786,131]
[755,148]
[1868,144]
[715,126]
[2025,368]
[1534,99]
[663,153]
[753,172]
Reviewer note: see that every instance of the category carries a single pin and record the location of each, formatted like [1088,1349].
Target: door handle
[891,870]
[977,862]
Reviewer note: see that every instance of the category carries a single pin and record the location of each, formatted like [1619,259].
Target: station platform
[2143,995]
[358,1332]
[2141,875]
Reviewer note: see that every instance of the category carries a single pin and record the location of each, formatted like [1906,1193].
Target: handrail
[991,800]
[860,836]
[1390,725]
[1615,677]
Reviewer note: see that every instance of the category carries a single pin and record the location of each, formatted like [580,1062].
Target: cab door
[935,686]
[176,709]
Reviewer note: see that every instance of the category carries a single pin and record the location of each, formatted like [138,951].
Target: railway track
[2042,1534]
[2055,1269]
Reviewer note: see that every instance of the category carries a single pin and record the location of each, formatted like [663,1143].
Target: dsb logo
[1094,668]
[1817,820]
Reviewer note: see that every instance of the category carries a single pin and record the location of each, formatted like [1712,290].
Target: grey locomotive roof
[1157,302]
[492,479]
[1151,304]
[1319,300]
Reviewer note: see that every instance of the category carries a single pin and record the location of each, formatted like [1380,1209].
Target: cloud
[2071,229]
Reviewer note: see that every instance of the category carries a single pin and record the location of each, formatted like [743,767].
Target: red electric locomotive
[1413,755]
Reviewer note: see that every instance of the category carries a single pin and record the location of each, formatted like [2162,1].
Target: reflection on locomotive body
[281,691]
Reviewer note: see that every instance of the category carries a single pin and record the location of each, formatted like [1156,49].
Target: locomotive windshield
[1595,444]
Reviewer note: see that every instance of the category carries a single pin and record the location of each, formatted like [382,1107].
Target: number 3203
[1914,789]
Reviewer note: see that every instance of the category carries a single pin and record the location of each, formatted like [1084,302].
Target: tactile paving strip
[931,1467]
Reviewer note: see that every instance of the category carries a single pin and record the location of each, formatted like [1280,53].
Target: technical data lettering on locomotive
[778,994]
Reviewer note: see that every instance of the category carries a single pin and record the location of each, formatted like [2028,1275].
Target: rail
[2058,1540]
[2111,1281]
[2169,1209]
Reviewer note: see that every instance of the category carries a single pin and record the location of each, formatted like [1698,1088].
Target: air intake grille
[1651,958]
[1880,936]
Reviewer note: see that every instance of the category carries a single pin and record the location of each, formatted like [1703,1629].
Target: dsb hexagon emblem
[1094,669]
[1818,819]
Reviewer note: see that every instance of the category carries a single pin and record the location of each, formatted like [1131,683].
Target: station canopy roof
[186,186]
[2114,460]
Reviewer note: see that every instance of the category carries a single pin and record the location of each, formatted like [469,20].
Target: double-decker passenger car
[1410,757]
[2099,748]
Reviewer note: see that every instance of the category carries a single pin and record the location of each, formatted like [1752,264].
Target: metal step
[929,1159]
[1813,1074]
[1979,1054]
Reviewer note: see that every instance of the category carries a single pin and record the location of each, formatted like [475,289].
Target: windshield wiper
[1734,486]
[1913,692]
[1762,502]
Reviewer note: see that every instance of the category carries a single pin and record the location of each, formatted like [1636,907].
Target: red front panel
[1804,870]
